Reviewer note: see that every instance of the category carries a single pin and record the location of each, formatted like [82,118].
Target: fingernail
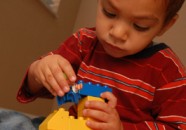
[87,103]
[66,89]
[84,112]
[87,122]
[73,78]
[60,93]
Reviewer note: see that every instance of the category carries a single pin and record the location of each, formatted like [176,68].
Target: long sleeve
[24,95]
[71,49]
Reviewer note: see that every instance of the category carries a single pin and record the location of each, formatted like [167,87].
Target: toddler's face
[125,27]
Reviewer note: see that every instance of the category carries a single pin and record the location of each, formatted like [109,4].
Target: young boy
[148,81]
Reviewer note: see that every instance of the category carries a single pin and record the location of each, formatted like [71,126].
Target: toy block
[69,97]
[88,89]
[60,120]
[78,124]
[53,121]
[94,90]
[81,104]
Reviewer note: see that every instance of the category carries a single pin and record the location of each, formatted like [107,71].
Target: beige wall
[28,30]
[86,14]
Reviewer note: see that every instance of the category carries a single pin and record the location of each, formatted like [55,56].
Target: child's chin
[116,55]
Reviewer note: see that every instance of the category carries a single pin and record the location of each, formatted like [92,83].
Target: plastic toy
[60,120]
[82,102]
[80,90]
[79,94]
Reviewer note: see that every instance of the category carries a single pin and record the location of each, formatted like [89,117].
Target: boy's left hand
[104,115]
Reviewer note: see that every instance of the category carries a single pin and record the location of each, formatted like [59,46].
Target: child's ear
[168,25]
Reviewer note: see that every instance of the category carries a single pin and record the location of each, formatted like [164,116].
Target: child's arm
[70,50]
[45,78]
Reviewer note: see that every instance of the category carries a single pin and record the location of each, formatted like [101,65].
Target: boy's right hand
[53,72]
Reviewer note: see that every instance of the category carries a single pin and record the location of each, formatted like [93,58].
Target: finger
[112,100]
[50,80]
[96,115]
[60,78]
[98,105]
[47,86]
[67,69]
[94,125]
[50,89]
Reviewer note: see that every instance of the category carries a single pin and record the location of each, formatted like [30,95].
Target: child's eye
[141,28]
[108,14]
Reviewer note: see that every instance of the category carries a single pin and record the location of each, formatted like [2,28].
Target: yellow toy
[79,93]
[82,102]
[60,119]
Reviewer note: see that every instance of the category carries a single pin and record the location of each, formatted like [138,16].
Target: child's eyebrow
[150,17]
[110,3]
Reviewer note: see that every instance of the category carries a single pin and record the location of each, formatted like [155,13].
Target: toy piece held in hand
[80,90]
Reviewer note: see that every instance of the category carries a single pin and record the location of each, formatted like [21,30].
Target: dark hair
[173,6]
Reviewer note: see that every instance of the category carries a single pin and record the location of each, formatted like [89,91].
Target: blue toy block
[94,90]
[69,97]
[88,89]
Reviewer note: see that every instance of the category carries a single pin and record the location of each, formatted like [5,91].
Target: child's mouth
[112,47]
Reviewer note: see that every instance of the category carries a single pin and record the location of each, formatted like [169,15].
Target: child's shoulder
[166,60]
[85,33]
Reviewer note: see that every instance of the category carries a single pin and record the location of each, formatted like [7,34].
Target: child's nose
[119,32]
